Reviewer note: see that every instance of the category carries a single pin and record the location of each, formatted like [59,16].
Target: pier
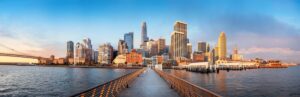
[147,82]
[207,67]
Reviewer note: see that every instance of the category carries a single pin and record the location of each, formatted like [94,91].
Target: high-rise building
[128,38]
[179,41]
[105,54]
[222,46]
[84,52]
[152,47]
[207,48]
[189,50]
[70,49]
[161,42]
[122,47]
[96,57]
[202,47]
[216,52]
[144,37]
[180,27]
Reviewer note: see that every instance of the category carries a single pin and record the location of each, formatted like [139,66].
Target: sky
[266,29]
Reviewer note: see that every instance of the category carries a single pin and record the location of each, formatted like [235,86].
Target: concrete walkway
[148,84]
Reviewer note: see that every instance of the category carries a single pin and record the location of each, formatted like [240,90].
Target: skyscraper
[128,38]
[189,50]
[105,54]
[161,45]
[84,52]
[152,47]
[207,48]
[222,46]
[144,37]
[70,49]
[122,47]
[179,40]
[202,47]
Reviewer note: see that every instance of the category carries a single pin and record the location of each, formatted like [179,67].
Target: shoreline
[70,66]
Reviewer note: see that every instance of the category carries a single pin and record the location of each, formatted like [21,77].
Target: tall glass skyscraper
[128,38]
[144,37]
[70,49]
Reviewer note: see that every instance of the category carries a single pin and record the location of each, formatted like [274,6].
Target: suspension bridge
[15,53]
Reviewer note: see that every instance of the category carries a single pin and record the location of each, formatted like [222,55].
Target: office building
[179,41]
[84,52]
[105,54]
[128,38]
[202,47]
[189,50]
[70,49]
[161,43]
[222,50]
[144,37]
[122,47]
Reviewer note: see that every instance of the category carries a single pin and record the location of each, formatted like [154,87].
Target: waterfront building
[59,61]
[70,60]
[202,46]
[222,48]
[235,55]
[128,38]
[183,60]
[198,56]
[122,47]
[120,60]
[70,49]
[179,41]
[134,58]
[84,52]
[52,57]
[144,37]
[105,54]
[161,42]
[189,50]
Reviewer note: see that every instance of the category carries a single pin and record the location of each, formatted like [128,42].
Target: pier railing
[111,88]
[185,88]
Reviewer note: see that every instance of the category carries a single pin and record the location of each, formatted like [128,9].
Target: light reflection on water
[33,81]
[249,83]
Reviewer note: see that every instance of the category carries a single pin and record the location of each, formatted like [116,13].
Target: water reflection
[249,83]
[52,81]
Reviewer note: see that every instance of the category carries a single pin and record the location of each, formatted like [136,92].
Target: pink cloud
[282,51]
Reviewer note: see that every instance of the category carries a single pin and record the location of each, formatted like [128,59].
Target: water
[249,83]
[36,81]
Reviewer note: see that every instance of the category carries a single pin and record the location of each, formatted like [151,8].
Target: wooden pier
[147,83]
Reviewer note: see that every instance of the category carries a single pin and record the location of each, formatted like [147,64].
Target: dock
[149,84]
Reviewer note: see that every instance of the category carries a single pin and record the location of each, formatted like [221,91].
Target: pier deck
[149,84]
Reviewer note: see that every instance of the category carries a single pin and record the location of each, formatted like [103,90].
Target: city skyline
[37,29]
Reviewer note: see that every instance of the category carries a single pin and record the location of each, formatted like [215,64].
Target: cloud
[257,35]
[281,51]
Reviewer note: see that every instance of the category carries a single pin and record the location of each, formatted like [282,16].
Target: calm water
[35,81]
[249,83]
